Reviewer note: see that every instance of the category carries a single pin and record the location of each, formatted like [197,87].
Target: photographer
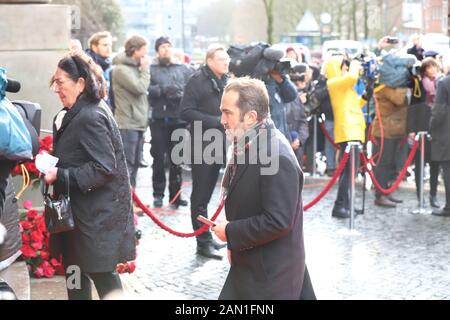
[419,114]
[262,62]
[350,126]
[296,116]
[281,91]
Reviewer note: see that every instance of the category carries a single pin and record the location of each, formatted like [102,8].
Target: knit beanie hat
[160,41]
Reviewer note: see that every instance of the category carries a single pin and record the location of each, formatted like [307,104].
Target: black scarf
[218,84]
[105,63]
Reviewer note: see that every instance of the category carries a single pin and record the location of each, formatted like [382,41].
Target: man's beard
[236,133]
[165,60]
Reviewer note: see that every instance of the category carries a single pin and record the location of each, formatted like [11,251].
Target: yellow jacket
[349,124]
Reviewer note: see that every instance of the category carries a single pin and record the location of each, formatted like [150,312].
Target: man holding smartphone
[264,208]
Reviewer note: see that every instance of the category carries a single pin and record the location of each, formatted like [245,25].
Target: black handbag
[58,213]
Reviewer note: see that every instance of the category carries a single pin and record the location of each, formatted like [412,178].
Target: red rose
[37,245]
[25,238]
[55,263]
[27,205]
[60,271]
[131,266]
[28,251]
[16,171]
[45,255]
[121,268]
[26,225]
[46,144]
[37,236]
[32,214]
[49,272]
[39,272]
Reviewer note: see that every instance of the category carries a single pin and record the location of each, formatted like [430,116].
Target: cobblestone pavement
[392,254]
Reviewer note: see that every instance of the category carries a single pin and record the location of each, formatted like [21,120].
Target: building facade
[155,18]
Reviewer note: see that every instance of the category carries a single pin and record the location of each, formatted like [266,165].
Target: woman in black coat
[89,147]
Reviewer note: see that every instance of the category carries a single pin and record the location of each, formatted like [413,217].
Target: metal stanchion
[421,136]
[314,146]
[354,152]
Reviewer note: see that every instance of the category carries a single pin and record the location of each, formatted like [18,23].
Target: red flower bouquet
[46,144]
[35,244]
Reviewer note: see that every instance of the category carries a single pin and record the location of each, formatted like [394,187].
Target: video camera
[257,60]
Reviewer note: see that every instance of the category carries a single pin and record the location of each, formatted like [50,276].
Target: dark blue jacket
[279,95]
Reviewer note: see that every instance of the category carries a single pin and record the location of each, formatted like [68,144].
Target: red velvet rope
[400,177]
[327,135]
[168,229]
[331,183]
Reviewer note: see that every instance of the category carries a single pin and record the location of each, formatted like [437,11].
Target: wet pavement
[391,253]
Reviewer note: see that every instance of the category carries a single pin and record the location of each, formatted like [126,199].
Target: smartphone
[392,40]
[206,221]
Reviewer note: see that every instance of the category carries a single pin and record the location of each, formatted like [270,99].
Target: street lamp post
[183,39]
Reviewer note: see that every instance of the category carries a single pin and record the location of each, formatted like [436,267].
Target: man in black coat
[167,82]
[440,143]
[263,201]
[201,108]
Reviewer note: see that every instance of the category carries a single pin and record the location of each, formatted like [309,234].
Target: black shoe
[157,202]
[359,212]
[179,203]
[340,213]
[433,202]
[393,199]
[218,245]
[209,252]
[445,212]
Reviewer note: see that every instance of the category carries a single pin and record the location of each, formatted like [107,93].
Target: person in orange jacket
[349,123]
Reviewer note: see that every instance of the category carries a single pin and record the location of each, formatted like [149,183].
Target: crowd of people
[110,103]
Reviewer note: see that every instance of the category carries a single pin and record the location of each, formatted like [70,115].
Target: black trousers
[204,180]
[446,170]
[161,148]
[387,165]
[132,145]
[343,195]
[434,169]
[106,283]
[5,168]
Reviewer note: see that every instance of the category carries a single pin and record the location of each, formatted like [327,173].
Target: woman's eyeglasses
[58,82]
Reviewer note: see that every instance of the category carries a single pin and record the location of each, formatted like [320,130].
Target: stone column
[33,38]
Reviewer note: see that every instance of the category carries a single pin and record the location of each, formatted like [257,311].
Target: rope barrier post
[314,146]
[354,151]
[422,136]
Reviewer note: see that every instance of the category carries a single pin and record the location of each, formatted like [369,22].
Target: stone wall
[33,38]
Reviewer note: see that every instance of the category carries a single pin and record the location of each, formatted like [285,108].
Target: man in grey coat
[131,78]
